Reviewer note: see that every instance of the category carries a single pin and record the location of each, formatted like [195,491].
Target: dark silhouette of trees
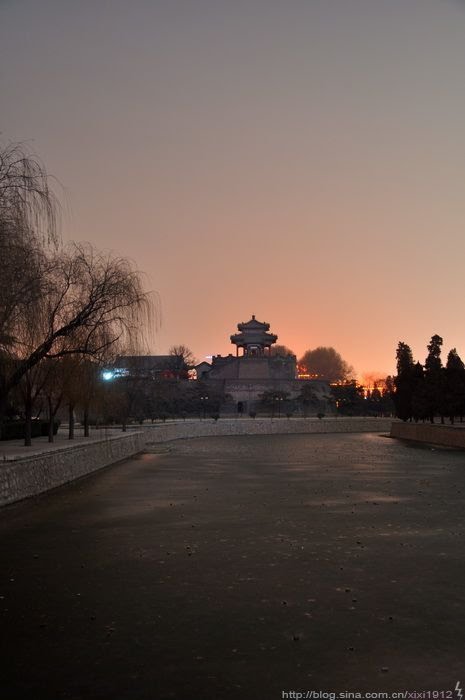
[91,304]
[28,226]
[280,351]
[309,399]
[326,364]
[424,392]
[182,360]
[275,401]
[434,385]
[404,382]
[29,208]
[56,302]
[454,386]
[419,393]
[349,398]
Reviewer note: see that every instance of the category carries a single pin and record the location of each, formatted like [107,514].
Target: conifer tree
[419,399]
[404,382]
[434,379]
[454,386]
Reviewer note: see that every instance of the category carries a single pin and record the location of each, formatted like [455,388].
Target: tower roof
[253,324]
[253,333]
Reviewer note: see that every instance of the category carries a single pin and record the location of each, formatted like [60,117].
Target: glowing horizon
[302,161]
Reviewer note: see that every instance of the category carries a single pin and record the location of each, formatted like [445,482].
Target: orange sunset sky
[303,161]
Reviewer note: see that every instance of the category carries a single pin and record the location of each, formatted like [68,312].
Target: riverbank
[30,471]
[430,433]
[164,432]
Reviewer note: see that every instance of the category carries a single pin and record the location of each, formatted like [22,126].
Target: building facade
[253,372]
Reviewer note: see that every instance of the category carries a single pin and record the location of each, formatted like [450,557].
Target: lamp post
[204,400]
[276,400]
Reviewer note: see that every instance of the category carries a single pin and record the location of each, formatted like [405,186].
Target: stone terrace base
[445,435]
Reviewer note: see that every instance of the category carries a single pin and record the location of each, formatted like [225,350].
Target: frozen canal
[240,568]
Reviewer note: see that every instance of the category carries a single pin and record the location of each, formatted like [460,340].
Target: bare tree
[327,364]
[28,226]
[184,354]
[74,379]
[90,391]
[28,333]
[280,351]
[28,223]
[28,205]
[29,391]
[92,304]
[57,303]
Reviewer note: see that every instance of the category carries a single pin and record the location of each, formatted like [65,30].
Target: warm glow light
[293,207]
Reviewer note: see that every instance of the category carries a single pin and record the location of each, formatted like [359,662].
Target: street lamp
[204,400]
[275,399]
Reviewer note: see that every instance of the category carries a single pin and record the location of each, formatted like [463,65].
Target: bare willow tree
[57,302]
[92,304]
[28,226]
[28,204]
[28,223]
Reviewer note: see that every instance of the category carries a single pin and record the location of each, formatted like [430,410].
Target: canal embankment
[26,472]
[430,433]
[49,466]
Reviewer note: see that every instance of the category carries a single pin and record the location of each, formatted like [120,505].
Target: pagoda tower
[253,338]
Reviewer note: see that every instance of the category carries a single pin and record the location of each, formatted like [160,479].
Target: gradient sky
[301,160]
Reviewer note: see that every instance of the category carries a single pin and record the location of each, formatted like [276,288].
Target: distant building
[202,369]
[149,367]
[252,371]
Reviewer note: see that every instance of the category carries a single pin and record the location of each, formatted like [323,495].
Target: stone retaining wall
[38,473]
[163,432]
[434,434]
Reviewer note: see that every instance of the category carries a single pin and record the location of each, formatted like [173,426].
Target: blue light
[107,375]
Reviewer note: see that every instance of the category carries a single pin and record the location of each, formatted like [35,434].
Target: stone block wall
[445,435]
[165,432]
[32,475]
[38,473]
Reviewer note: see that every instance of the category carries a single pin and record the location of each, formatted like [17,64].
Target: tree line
[424,392]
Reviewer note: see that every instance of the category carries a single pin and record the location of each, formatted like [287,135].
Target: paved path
[240,568]
[16,449]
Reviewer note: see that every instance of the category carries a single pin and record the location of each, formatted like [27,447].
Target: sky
[303,161]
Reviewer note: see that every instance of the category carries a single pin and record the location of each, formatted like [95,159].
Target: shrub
[15,430]
[44,427]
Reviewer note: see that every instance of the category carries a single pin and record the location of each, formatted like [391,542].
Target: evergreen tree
[454,386]
[404,382]
[349,399]
[387,396]
[434,380]
[419,399]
